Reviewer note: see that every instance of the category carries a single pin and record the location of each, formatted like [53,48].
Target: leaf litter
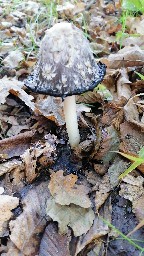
[53,200]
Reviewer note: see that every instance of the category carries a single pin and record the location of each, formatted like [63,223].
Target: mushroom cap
[66,65]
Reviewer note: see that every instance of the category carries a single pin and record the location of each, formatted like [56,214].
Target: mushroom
[66,67]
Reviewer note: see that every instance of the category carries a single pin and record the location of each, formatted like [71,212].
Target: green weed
[129,240]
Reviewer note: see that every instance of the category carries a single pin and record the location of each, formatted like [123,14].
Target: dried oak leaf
[7,203]
[66,192]
[27,226]
[78,218]
[53,243]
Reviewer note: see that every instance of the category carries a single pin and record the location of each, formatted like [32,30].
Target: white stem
[71,120]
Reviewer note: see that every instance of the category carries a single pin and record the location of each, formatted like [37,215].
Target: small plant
[129,8]
[136,162]
[129,240]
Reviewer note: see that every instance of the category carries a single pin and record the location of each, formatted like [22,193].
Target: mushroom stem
[71,120]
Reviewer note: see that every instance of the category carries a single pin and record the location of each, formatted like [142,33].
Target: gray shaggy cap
[66,65]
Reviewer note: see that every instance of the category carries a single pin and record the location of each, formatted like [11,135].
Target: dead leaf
[53,243]
[129,56]
[12,85]
[79,219]
[31,222]
[13,59]
[66,192]
[7,203]
[103,192]
[16,145]
[132,189]
[9,166]
[98,229]
[51,107]
[132,114]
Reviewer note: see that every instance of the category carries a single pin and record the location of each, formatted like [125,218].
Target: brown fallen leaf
[103,191]
[13,59]
[51,108]
[7,203]
[31,222]
[97,230]
[132,188]
[132,139]
[10,250]
[43,152]
[132,113]
[12,85]
[16,145]
[78,218]
[66,192]
[53,243]
[9,166]
[30,165]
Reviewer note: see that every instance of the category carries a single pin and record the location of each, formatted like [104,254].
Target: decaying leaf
[45,151]
[98,229]
[9,166]
[129,56]
[12,85]
[27,226]
[7,203]
[30,165]
[78,218]
[103,192]
[132,189]
[16,145]
[13,59]
[132,112]
[51,107]
[53,243]
[66,192]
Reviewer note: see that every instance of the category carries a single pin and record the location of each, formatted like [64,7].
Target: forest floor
[89,200]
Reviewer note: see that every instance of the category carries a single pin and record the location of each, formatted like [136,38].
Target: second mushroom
[66,67]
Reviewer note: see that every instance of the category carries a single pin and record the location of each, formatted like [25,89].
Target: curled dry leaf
[7,203]
[30,165]
[27,226]
[132,113]
[44,152]
[51,107]
[66,192]
[53,243]
[78,218]
[12,85]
